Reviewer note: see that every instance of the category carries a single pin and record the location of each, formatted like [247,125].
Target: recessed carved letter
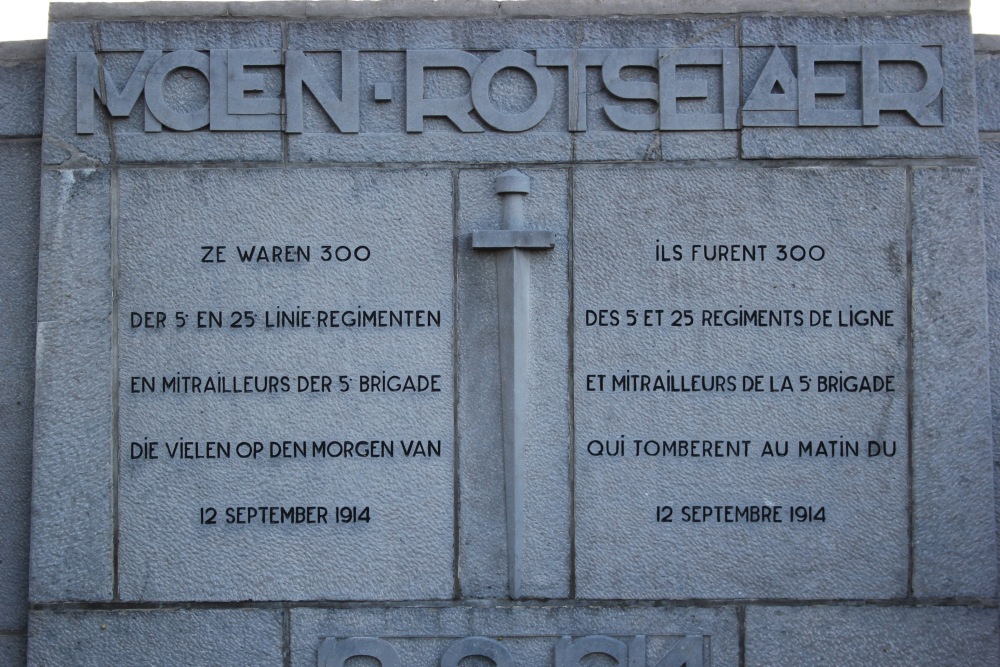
[576,61]
[455,109]
[300,73]
[630,90]
[478,646]
[118,103]
[506,121]
[176,120]
[333,653]
[774,100]
[812,86]
[673,88]
[916,104]
[570,652]
[230,108]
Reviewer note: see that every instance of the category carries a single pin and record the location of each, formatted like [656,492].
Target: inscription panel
[740,383]
[287,415]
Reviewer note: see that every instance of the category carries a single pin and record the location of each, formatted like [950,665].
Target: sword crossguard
[512,187]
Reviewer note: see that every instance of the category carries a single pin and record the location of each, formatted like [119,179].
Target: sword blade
[513,278]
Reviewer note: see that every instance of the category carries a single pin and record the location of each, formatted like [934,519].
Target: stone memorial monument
[519,334]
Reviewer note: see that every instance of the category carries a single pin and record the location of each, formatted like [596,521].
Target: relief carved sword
[513,291]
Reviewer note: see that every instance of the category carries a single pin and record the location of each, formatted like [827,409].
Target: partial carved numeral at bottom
[687,651]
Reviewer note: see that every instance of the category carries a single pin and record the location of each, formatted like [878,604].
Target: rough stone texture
[451,8]
[71,506]
[988,91]
[22,78]
[860,551]
[652,146]
[888,637]
[236,637]
[421,634]
[464,148]
[71,502]
[483,549]
[956,138]
[19,186]
[489,35]
[75,210]
[405,218]
[991,222]
[13,649]
[23,84]
[954,538]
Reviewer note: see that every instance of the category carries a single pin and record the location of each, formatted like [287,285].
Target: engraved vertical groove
[286,637]
[113,206]
[115,433]
[910,558]
[456,471]
[741,624]
[571,339]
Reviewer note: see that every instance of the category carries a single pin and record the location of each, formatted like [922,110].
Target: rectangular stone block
[288,416]
[666,146]
[23,83]
[61,145]
[483,551]
[740,379]
[75,246]
[426,636]
[889,637]
[18,277]
[896,134]
[180,637]
[988,91]
[72,507]
[954,531]
[991,223]
[322,147]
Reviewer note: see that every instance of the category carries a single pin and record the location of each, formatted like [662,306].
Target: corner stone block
[954,532]
[991,221]
[18,276]
[61,144]
[222,638]
[75,246]
[988,91]
[71,503]
[888,637]
[23,84]
[71,507]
